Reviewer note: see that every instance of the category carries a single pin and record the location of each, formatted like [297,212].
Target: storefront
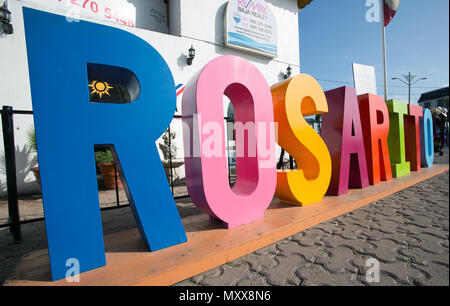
[188,34]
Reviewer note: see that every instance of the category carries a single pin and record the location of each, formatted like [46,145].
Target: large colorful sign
[207,172]
[250,25]
[394,139]
[294,98]
[67,130]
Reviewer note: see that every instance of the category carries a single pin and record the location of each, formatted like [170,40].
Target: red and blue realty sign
[250,25]
[394,139]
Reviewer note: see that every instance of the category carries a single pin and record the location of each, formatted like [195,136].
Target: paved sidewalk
[407,232]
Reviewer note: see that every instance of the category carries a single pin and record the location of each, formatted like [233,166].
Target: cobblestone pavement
[407,232]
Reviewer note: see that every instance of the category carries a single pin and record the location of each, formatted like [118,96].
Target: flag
[179,88]
[390,8]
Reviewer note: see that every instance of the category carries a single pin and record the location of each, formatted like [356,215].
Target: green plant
[31,139]
[102,157]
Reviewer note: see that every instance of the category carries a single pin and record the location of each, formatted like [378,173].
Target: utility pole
[383,39]
[408,80]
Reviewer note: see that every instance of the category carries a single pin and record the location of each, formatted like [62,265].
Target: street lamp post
[409,78]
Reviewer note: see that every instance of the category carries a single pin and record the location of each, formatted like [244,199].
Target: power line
[390,86]
[399,86]
[332,81]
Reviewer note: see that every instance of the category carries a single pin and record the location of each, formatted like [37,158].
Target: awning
[303,3]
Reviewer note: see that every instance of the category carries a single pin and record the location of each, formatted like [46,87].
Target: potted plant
[105,161]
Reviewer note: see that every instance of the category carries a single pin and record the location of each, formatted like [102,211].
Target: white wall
[15,91]
[200,23]
[204,20]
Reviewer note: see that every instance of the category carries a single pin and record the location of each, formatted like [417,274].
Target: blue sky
[333,34]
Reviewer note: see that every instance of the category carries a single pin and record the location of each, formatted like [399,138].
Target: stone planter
[176,163]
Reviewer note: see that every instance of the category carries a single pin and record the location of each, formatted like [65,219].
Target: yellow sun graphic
[100,88]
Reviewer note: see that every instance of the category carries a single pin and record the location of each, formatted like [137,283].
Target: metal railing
[14,223]
[10,166]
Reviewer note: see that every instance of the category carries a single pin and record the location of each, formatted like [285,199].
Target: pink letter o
[206,173]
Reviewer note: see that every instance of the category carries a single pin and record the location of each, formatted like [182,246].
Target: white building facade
[170,26]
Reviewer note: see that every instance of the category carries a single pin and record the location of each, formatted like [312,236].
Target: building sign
[364,79]
[145,14]
[154,16]
[117,11]
[250,25]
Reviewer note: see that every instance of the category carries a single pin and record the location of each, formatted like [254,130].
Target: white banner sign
[118,11]
[151,14]
[251,25]
[364,79]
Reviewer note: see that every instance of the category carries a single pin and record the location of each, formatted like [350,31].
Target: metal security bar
[10,164]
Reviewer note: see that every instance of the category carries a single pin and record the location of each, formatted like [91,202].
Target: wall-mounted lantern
[288,73]
[191,55]
[5,18]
